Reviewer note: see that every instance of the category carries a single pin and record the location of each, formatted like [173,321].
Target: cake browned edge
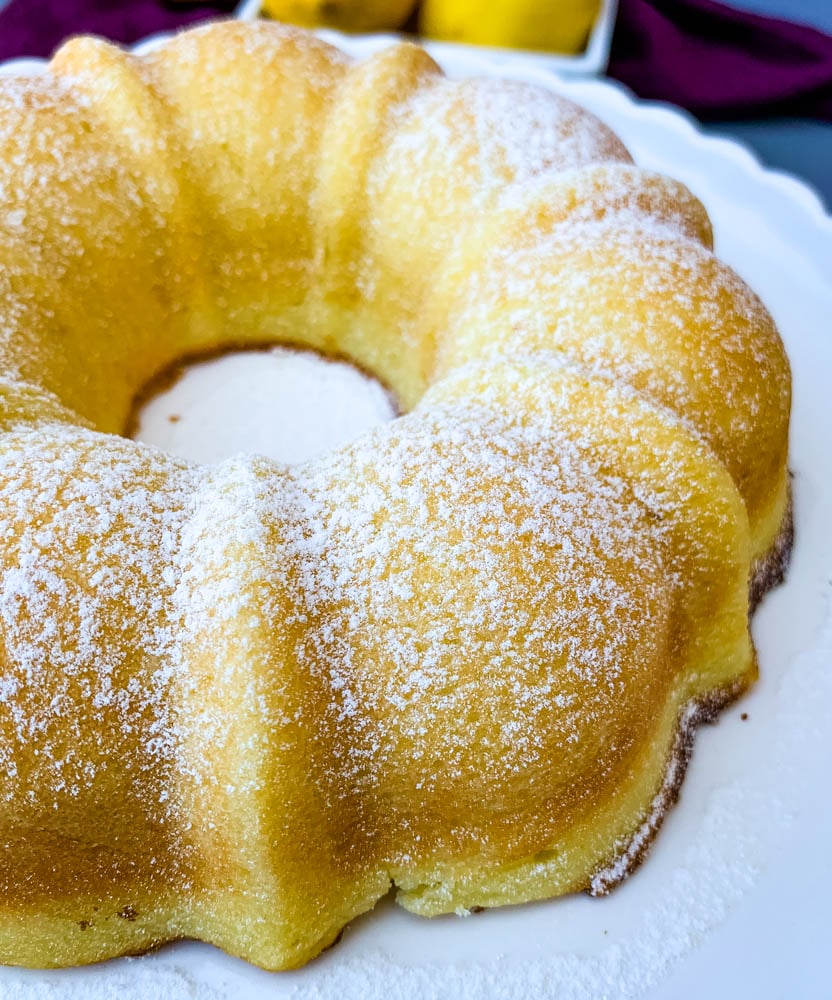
[770,570]
[766,573]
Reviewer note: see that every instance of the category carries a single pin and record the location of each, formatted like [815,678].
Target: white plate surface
[733,900]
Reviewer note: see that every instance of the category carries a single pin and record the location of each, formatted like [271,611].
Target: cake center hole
[288,404]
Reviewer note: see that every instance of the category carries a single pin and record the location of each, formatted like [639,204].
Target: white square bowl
[591,62]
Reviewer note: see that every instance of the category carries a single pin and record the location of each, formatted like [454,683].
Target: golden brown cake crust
[464,654]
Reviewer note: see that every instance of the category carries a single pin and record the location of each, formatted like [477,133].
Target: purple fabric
[37,27]
[720,62]
[712,59]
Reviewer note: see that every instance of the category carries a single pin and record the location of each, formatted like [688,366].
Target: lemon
[551,25]
[348,15]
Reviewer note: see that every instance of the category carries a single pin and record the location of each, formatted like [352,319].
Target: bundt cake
[461,656]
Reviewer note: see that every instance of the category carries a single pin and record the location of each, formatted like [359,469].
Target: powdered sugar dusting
[90,545]
[703,343]
[507,135]
[406,596]
[384,577]
[454,488]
